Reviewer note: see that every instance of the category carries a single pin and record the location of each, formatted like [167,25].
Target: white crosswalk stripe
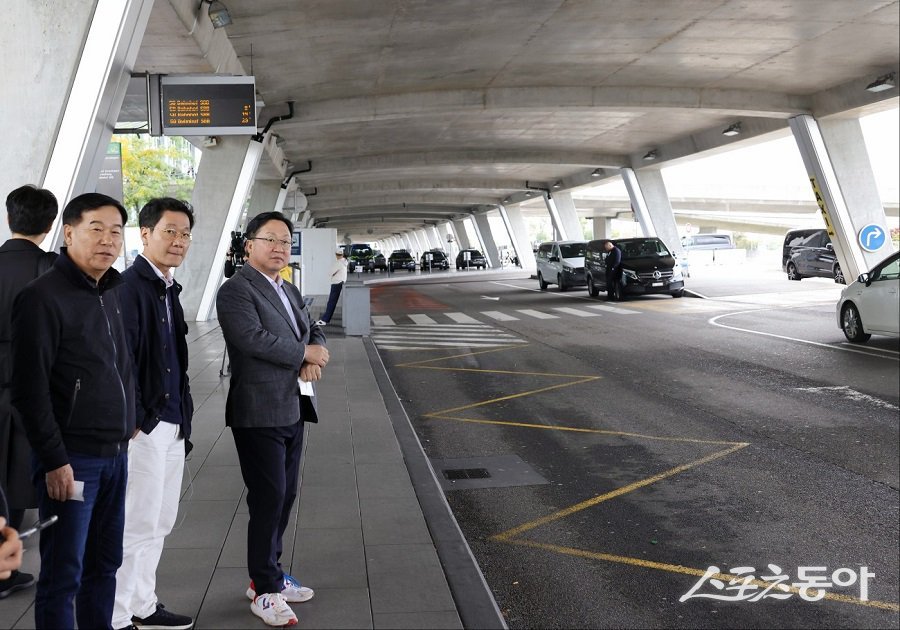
[499,316]
[435,336]
[536,314]
[382,320]
[462,318]
[574,311]
[613,309]
[422,319]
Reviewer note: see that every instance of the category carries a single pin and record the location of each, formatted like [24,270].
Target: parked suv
[439,260]
[561,263]
[401,259]
[809,252]
[707,241]
[359,256]
[647,267]
[377,261]
[476,259]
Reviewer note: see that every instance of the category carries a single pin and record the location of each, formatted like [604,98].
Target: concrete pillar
[66,70]
[564,213]
[220,190]
[462,237]
[436,240]
[650,198]
[483,228]
[602,227]
[839,220]
[264,196]
[850,159]
[518,236]
[408,243]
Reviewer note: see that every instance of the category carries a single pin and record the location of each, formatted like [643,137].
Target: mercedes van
[647,267]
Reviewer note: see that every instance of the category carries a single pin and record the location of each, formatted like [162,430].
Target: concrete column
[483,228]
[652,198]
[569,225]
[437,242]
[850,159]
[462,237]
[408,243]
[66,70]
[518,236]
[264,196]
[602,227]
[220,190]
[839,221]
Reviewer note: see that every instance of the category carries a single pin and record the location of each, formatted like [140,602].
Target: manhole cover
[494,471]
[466,473]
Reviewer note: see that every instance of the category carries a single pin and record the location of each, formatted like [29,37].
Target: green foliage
[151,168]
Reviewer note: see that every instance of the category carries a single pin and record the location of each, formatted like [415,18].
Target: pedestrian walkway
[372,535]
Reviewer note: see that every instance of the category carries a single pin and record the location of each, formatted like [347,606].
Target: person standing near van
[613,270]
[30,212]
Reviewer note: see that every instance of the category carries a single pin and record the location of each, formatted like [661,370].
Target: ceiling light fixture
[218,13]
[506,200]
[651,155]
[733,130]
[882,83]
[558,184]
[597,172]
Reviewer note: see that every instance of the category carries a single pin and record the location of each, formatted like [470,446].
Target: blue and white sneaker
[293,592]
[273,610]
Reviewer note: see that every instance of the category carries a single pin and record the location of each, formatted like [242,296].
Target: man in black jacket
[613,270]
[155,329]
[74,389]
[30,212]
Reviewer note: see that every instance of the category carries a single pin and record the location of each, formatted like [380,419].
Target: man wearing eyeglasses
[276,353]
[156,335]
[73,386]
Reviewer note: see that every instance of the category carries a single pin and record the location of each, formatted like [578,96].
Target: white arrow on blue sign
[871,237]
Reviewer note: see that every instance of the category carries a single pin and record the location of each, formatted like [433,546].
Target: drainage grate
[466,473]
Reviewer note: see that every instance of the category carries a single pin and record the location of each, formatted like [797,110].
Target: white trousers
[155,468]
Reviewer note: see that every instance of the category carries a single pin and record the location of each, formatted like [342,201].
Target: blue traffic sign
[871,237]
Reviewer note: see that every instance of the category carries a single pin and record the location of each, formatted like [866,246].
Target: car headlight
[677,275]
[631,275]
[568,269]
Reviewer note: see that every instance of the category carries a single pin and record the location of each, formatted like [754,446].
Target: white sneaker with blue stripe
[293,592]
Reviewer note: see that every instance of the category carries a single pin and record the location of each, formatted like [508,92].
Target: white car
[871,305]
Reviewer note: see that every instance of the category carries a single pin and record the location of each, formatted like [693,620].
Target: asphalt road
[612,452]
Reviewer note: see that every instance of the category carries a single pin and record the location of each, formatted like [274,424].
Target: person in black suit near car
[30,212]
[276,354]
[613,270]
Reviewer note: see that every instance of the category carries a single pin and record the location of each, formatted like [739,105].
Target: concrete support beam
[408,243]
[220,190]
[827,189]
[653,192]
[486,236]
[459,230]
[565,209]
[264,196]
[518,236]
[602,227]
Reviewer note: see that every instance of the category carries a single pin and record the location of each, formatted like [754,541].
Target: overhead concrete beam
[499,186]
[852,98]
[547,98]
[402,199]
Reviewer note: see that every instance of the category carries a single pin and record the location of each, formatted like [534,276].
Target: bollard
[355,313]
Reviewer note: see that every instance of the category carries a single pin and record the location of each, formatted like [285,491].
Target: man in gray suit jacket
[276,355]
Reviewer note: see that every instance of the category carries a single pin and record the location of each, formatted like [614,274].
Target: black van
[647,267]
[809,252]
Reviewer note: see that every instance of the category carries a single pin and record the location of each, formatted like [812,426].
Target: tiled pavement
[373,535]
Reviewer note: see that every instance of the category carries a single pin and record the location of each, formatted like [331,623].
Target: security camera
[210,141]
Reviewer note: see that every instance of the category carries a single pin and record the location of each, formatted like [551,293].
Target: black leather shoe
[15,582]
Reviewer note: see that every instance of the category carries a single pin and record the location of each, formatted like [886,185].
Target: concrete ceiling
[412,110]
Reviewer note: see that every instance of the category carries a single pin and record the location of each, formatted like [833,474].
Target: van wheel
[839,275]
[541,282]
[851,324]
[561,283]
[792,272]
[677,294]
[593,291]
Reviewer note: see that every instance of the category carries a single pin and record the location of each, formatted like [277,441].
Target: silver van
[561,263]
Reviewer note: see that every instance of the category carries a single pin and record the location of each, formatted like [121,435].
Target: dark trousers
[333,296]
[82,551]
[270,465]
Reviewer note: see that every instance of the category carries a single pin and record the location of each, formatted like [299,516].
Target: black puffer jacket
[72,378]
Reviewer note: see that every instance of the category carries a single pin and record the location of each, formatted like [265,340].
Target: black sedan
[401,259]
[438,260]
[377,261]
[470,258]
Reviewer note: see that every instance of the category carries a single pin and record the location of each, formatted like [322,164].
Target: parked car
[439,260]
[560,263]
[809,252]
[377,261]
[359,256]
[647,267]
[401,259]
[869,306]
[476,259]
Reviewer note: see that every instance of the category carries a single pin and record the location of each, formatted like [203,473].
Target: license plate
[657,284]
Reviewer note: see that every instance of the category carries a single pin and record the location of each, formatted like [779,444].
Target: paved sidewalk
[360,539]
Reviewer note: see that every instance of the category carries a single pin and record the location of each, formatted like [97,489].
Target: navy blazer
[143,299]
[265,352]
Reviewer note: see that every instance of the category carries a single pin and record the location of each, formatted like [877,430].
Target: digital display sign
[208,105]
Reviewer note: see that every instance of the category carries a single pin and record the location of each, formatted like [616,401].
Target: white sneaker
[273,610]
[293,592]
[321,322]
